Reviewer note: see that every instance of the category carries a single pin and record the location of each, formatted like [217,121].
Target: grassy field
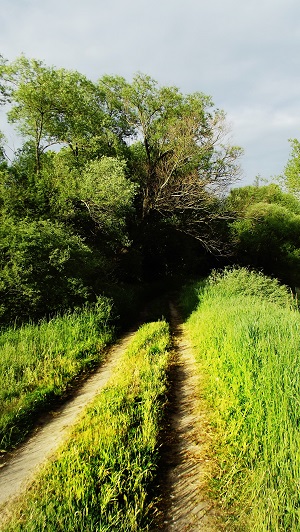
[101,479]
[38,363]
[246,332]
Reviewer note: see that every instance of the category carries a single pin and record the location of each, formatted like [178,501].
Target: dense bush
[265,233]
[44,268]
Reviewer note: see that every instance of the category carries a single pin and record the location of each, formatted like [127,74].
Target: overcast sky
[244,54]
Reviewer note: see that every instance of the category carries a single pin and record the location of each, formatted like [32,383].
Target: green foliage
[246,335]
[61,231]
[240,199]
[51,106]
[180,157]
[100,478]
[266,231]
[22,192]
[44,268]
[291,176]
[38,362]
[235,282]
[107,194]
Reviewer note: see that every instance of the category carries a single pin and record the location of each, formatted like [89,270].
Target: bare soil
[185,463]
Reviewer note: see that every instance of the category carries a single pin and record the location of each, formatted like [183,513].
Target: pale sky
[245,55]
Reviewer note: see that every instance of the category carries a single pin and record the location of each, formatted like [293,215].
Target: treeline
[112,182]
[122,182]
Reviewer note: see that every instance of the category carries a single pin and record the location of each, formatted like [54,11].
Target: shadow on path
[185,465]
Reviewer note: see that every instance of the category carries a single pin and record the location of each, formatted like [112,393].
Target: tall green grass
[38,363]
[247,336]
[101,478]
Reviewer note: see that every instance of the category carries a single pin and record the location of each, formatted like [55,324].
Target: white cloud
[244,54]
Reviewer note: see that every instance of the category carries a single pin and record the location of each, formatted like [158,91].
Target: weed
[38,362]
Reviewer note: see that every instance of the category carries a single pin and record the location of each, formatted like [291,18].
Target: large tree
[51,106]
[179,152]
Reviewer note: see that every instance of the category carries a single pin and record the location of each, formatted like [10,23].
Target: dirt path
[185,461]
[20,467]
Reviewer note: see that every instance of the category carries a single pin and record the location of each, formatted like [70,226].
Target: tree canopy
[178,148]
[51,106]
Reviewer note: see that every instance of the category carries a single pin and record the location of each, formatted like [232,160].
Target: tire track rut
[186,465]
[17,472]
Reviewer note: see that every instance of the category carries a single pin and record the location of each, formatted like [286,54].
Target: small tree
[291,175]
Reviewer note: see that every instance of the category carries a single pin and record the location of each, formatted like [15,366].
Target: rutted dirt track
[185,506]
[185,461]
[17,472]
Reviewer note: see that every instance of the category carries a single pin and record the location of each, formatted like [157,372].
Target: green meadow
[246,333]
[38,362]
[245,329]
